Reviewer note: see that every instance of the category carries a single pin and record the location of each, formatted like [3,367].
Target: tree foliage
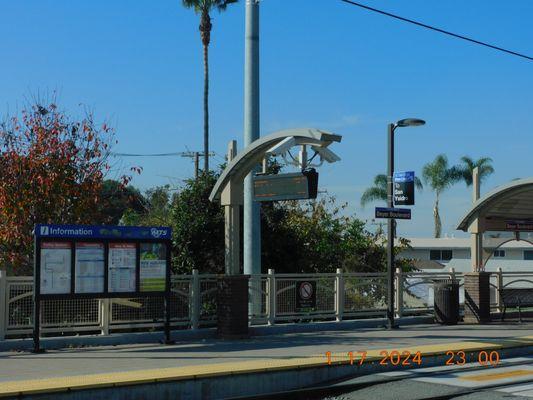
[466,169]
[116,200]
[440,176]
[308,236]
[52,172]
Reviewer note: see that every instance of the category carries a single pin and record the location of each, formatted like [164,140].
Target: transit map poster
[89,270]
[153,267]
[122,266]
[55,267]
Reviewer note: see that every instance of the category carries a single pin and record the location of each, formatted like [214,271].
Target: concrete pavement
[199,358]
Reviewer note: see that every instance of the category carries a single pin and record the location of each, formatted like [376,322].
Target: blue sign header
[102,232]
[407,176]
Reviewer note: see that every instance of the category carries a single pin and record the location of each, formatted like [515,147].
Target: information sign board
[305,296]
[55,267]
[122,267]
[89,271]
[85,261]
[153,267]
[404,188]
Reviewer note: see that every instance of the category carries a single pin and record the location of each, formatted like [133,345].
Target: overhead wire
[433,28]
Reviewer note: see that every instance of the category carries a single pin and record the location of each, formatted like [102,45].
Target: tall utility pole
[252,221]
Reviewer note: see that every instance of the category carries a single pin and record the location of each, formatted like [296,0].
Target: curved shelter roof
[512,201]
[252,155]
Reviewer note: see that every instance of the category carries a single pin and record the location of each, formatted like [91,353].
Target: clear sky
[324,64]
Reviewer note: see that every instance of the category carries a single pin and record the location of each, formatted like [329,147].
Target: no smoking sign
[305,296]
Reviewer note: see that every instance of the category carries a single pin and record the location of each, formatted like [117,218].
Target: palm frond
[373,194]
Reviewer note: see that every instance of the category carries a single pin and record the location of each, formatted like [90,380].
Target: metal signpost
[83,261]
[404,188]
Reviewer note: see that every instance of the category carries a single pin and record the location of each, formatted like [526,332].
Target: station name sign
[519,225]
[393,213]
[404,188]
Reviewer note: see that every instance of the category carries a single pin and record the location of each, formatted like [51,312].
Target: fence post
[3,304]
[271,291]
[339,295]
[195,299]
[499,286]
[105,310]
[399,292]
[452,273]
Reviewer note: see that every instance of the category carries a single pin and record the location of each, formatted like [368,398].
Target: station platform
[210,368]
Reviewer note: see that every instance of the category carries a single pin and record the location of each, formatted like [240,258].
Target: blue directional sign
[404,188]
[390,213]
[102,232]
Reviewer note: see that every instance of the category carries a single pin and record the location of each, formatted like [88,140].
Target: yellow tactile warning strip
[497,375]
[65,383]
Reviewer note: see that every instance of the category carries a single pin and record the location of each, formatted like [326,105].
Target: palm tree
[440,177]
[204,8]
[379,190]
[484,165]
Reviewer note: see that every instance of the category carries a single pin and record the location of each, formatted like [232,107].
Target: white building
[455,252]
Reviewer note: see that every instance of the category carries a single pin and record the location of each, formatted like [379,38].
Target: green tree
[155,210]
[204,8]
[439,176]
[484,164]
[378,192]
[115,200]
[198,227]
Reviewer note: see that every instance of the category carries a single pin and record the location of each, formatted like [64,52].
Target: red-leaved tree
[51,171]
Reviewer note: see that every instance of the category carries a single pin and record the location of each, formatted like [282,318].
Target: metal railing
[339,296]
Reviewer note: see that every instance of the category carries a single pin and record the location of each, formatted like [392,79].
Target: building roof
[459,243]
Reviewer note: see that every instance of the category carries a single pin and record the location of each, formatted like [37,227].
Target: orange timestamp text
[406,358]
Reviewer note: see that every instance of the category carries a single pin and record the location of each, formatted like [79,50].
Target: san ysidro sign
[404,188]
[102,232]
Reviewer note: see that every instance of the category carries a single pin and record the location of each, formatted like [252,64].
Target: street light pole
[390,226]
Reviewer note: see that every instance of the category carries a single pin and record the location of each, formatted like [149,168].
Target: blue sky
[324,64]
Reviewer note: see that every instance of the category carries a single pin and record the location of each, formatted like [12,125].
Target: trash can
[446,301]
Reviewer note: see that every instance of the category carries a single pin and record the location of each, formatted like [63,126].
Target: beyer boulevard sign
[393,213]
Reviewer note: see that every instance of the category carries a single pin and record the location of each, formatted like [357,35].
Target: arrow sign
[396,213]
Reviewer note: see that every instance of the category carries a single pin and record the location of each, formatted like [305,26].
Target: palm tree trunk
[206,109]
[436,217]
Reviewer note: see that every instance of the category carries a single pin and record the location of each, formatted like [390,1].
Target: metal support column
[391,227]
[251,212]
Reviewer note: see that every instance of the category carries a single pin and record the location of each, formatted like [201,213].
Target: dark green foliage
[116,199]
[311,236]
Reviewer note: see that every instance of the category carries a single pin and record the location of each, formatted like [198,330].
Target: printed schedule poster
[122,257]
[153,267]
[55,268]
[89,268]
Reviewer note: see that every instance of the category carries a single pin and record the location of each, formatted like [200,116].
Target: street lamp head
[410,122]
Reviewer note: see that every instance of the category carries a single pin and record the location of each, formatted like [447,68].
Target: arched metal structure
[252,155]
[229,187]
[502,215]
